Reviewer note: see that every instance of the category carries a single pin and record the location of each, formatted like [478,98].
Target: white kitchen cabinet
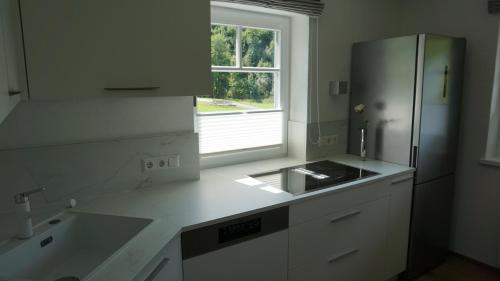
[400,201]
[10,88]
[359,234]
[96,48]
[167,266]
[346,245]
[327,204]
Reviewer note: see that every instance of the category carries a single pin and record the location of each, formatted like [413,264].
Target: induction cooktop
[312,176]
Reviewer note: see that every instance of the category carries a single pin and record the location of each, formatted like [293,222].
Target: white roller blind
[226,132]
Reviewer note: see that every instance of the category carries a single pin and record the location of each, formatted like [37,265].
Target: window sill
[490,162]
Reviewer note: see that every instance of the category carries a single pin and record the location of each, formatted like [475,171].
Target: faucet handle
[24,196]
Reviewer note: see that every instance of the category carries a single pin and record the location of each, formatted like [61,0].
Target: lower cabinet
[359,234]
[167,266]
[398,231]
[347,245]
[366,241]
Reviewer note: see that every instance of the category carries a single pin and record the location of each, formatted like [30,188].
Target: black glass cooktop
[313,176]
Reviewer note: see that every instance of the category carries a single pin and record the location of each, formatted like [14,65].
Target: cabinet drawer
[341,244]
[319,207]
[320,238]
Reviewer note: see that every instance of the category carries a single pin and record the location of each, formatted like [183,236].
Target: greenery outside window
[247,111]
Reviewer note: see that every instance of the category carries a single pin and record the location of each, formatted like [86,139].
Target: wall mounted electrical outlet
[328,140]
[160,163]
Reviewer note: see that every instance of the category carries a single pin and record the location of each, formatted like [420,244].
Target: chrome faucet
[363,144]
[23,212]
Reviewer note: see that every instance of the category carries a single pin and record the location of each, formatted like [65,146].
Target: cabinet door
[7,102]
[399,224]
[166,267]
[88,48]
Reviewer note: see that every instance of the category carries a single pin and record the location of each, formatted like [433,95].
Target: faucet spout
[23,212]
[24,196]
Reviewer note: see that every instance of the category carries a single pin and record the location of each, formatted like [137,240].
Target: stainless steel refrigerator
[411,87]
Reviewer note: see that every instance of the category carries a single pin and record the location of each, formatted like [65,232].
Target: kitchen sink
[69,247]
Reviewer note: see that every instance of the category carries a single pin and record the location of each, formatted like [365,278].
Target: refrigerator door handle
[414,157]
[445,87]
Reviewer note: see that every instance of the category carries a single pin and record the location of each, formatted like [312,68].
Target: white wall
[476,221]
[343,23]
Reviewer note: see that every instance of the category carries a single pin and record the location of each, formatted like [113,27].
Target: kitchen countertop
[216,197]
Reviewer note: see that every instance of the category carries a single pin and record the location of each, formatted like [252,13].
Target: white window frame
[220,14]
[492,154]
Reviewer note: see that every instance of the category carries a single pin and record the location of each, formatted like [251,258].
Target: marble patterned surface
[339,128]
[89,170]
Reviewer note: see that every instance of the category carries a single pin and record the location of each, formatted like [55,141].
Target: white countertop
[217,196]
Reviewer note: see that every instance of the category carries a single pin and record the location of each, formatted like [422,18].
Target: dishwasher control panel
[240,230]
[211,238]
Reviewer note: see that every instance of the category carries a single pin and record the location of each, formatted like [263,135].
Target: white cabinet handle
[15,92]
[345,216]
[396,181]
[157,269]
[342,255]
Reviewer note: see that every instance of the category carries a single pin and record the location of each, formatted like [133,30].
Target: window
[245,117]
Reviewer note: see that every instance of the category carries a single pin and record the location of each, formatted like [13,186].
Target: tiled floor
[460,269]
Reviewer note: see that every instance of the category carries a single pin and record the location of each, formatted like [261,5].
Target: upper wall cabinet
[12,79]
[96,48]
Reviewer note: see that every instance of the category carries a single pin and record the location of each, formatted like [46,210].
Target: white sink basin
[73,245]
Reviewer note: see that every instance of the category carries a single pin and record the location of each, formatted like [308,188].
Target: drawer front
[166,266]
[346,245]
[319,207]
[320,238]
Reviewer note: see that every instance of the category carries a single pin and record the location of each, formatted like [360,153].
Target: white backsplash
[338,128]
[89,170]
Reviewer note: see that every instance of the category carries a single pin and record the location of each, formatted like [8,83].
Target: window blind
[226,132]
[307,7]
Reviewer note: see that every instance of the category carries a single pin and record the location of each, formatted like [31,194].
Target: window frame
[492,153]
[245,18]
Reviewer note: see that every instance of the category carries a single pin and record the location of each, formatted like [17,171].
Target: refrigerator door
[441,90]
[432,204]
[383,78]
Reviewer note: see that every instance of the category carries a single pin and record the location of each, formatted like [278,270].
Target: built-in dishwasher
[251,248]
